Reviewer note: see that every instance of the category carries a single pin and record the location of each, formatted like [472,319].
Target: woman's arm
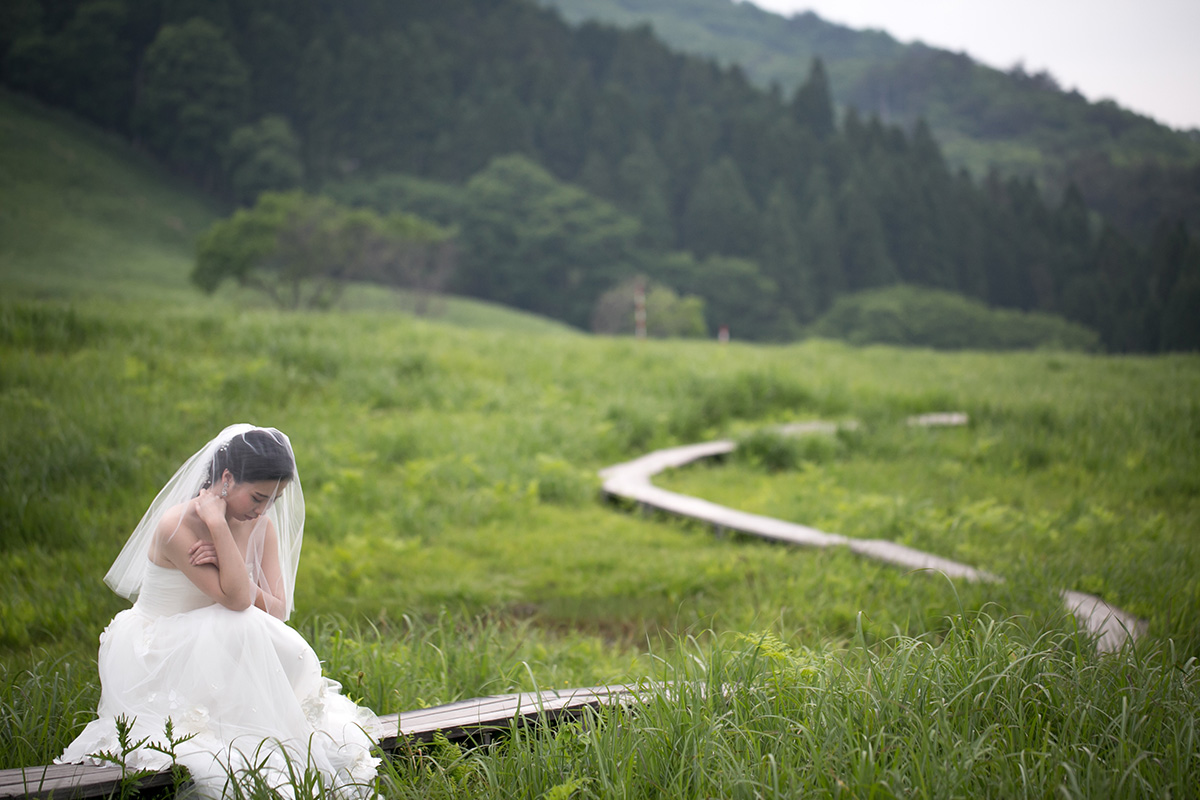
[226,580]
[269,592]
[270,595]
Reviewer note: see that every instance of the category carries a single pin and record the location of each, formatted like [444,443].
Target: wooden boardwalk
[477,720]
[630,481]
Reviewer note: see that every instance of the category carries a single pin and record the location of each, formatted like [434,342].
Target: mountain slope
[86,216]
[984,118]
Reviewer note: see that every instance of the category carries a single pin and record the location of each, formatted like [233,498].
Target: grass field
[456,544]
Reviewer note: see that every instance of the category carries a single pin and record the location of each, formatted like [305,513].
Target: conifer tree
[865,259]
[562,137]
[315,91]
[641,189]
[821,239]
[1181,316]
[781,254]
[720,216]
[812,105]
[1176,262]
[688,145]
[99,62]
[272,52]
[596,176]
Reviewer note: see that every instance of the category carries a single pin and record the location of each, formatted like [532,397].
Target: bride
[212,568]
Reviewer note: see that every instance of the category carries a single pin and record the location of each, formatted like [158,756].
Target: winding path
[1111,626]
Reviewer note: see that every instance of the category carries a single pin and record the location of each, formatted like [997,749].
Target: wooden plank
[71,781]
[725,517]
[631,481]
[1111,626]
[468,717]
[456,721]
[901,556]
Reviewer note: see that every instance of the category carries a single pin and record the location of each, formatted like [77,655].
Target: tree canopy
[301,250]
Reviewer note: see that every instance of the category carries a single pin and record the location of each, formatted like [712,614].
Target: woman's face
[247,501]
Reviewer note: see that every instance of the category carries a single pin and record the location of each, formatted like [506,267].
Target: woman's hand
[210,507]
[203,553]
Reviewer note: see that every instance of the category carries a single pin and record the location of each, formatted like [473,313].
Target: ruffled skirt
[245,699]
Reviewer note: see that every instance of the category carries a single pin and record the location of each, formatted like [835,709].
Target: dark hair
[256,455]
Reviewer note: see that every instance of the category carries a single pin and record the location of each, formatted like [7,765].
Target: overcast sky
[1145,54]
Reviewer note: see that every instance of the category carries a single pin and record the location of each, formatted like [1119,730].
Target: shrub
[911,316]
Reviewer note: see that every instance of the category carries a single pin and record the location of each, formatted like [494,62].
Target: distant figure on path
[212,568]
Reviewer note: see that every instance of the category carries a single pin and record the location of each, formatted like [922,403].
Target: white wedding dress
[247,689]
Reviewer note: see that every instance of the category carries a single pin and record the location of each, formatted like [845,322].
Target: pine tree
[315,90]
[272,52]
[1180,325]
[781,254]
[865,259]
[562,137]
[812,105]
[821,238]
[641,190]
[688,145]
[720,216]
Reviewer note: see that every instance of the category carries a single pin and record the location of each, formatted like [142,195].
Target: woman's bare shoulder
[176,530]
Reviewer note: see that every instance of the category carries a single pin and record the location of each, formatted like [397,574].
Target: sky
[1144,54]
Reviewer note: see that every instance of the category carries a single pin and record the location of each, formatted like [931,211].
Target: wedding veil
[286,512]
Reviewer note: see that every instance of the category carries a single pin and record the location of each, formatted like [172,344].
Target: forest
[1016,120]
[569,160]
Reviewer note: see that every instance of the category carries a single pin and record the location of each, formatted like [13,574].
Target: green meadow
[457,543]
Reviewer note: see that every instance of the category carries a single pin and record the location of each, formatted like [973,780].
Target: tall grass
[992,710]
[996,707]
[42,708]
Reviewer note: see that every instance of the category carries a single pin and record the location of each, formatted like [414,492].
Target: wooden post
[639,308]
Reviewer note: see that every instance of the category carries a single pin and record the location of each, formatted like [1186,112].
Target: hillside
[87,217]
[984,118]
[84,214]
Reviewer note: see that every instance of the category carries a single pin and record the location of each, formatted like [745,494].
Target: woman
[212,568]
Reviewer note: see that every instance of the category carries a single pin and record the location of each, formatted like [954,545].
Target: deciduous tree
[300,250]
[263,157]
[532,241]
